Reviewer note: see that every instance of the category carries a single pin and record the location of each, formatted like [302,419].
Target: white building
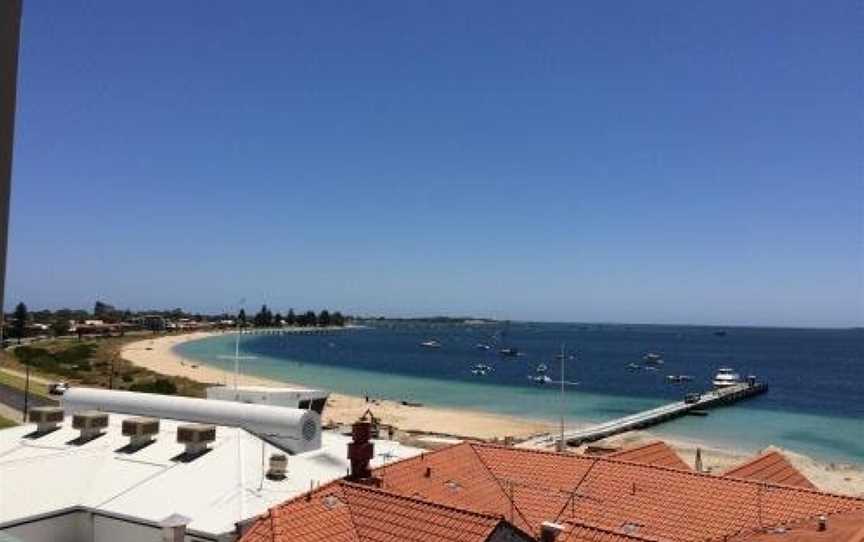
[65,485]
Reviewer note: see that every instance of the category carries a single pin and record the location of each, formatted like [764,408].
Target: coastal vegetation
[95,363]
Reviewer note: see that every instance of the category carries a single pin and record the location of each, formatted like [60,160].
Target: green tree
[103,311]
[310,319]
[241,317]
[60,327]
[291,319]
[324,318]
[19,321]
[338,319]
[277,319]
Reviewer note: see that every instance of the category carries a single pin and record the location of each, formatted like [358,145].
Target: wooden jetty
[647,418]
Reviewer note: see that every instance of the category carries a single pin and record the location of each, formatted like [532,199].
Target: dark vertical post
[26,393]
[10,29]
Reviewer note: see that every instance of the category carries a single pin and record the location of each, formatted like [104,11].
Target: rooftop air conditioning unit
[196,437]
[47,419]
[90,422]
[140,431]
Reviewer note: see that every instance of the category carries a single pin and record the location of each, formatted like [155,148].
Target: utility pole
[26,392]
[10,34]
[561,444]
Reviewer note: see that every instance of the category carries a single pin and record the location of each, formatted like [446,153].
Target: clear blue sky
[676,161]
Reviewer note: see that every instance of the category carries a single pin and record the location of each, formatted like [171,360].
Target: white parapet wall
[295,429]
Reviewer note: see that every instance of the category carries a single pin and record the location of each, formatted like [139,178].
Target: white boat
[652,358]
[542,368]
[540,379]
[483,346]
[481,369]
[432,343]
[726,377]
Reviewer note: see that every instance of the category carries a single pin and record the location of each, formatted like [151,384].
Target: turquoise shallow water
[822,421]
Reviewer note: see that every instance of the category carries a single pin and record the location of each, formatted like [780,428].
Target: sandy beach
[158,355]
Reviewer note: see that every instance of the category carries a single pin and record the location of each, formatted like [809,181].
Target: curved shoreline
[159,355]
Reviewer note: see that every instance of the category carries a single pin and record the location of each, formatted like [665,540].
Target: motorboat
[540,379]
[431,343]
[482,346]
[652,358]
[725,378]
[677,379]
[509,352]
[633,366]
[542,368]
[481,369]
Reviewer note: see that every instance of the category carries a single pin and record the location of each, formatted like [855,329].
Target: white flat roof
[270,389]
[216,490]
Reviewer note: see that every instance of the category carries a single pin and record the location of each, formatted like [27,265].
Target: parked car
[58,388]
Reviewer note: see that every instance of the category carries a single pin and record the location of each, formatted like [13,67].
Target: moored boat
[725,378]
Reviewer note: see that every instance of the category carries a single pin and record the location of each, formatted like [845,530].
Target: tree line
[266,318]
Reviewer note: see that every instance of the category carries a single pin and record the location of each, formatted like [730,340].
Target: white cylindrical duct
[295,429]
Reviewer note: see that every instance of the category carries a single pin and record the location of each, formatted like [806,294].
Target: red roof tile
[346,512]
[847,527]
[650,501]
[654,453]
[771,467]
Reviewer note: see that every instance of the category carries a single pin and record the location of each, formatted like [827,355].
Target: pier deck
[654,416]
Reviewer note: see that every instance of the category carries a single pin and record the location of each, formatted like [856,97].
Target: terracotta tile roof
[346,512]
[771,467]
[654,453]
[528,487]
[847,527]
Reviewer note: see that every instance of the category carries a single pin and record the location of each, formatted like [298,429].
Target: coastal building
[302,398]
[139,467]
[639,495]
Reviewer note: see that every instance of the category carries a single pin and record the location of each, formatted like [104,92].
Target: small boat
[509,352]
[677,379]
[633,366]
[481,369]
[540,379]
[725,378]
[651,368]
[542,368]
[483,346]
[720,333]
[431,343]
[653,358]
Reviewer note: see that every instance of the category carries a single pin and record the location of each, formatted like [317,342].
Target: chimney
[360,451]
[196,437]
[140,431]
[549,531]
[47,419]
[174,528]
[823,522]
[278,467]
[90,423]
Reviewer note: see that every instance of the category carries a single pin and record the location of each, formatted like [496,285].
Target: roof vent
[140,431]
[278,467]
[549,531]
[90,423]
[330,502]
[47,419]
[196,437]
[823,522]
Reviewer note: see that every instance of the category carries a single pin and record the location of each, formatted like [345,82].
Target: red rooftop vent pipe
[360,451]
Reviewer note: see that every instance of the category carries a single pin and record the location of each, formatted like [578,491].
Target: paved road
[14,398]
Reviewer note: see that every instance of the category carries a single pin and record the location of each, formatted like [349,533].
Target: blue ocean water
[816,376]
